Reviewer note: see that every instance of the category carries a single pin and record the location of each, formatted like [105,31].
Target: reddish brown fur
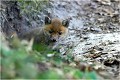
[56,26]
[42,34]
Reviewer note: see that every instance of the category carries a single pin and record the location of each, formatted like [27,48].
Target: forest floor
[94,32]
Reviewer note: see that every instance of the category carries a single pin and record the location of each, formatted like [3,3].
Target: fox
[52,31]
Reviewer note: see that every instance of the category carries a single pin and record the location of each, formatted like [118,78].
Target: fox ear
[65,23]
[47,20]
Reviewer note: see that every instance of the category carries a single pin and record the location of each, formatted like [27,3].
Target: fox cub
[53,31]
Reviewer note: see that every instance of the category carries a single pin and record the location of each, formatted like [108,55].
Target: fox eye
[60,33]
[50,31]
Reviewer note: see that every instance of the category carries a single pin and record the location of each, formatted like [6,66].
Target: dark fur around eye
[60,33]
[50,31]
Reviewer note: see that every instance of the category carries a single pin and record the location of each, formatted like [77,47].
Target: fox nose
[54,40]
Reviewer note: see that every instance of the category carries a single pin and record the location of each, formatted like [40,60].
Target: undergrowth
[24,60]
[19,59]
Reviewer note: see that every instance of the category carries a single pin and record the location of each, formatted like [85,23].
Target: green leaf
[78,74]
[90,75]
[50,74]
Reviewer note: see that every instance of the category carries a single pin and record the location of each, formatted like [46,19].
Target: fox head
[55,28]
